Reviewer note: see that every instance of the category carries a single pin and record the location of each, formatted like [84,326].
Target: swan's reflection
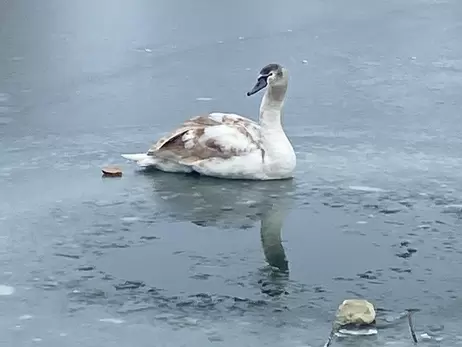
[207,201]
[270,232]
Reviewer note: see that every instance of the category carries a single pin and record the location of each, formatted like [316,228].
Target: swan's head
[272,75]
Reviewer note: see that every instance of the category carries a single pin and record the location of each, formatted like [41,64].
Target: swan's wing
[226,118]
[231,118]
[209,136]
[252,128]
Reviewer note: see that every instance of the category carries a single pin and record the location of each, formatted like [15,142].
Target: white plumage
[228,145]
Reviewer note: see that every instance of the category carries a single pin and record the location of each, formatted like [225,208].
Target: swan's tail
[142,159]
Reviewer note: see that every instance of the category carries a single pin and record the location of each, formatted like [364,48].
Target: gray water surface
[155,259]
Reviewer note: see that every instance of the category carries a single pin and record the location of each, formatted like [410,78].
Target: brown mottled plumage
[227,145]
[190,143]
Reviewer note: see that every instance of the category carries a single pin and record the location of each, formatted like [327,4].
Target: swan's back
[206,137]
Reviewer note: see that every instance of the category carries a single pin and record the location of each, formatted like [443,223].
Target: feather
[217,135]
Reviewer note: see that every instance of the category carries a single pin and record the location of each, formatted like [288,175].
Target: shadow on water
[209,241]
[207,201]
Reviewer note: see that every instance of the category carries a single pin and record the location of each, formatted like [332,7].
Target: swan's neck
[270,117]
[271,107]
[278,158]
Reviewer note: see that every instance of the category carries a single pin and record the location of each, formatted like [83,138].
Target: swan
[227,145]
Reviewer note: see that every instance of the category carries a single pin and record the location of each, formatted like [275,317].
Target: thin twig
[411,326]
[331,335]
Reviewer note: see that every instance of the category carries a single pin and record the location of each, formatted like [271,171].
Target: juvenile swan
[227,145]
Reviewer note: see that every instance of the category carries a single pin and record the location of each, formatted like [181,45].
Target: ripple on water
[4,97]
[6,290]
[4,120]
[453,208]
[367,189]
[112,320]
[204,99]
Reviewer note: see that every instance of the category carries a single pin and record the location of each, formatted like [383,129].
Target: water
[373,112]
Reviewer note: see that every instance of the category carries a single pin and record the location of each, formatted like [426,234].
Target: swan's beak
[261,83]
